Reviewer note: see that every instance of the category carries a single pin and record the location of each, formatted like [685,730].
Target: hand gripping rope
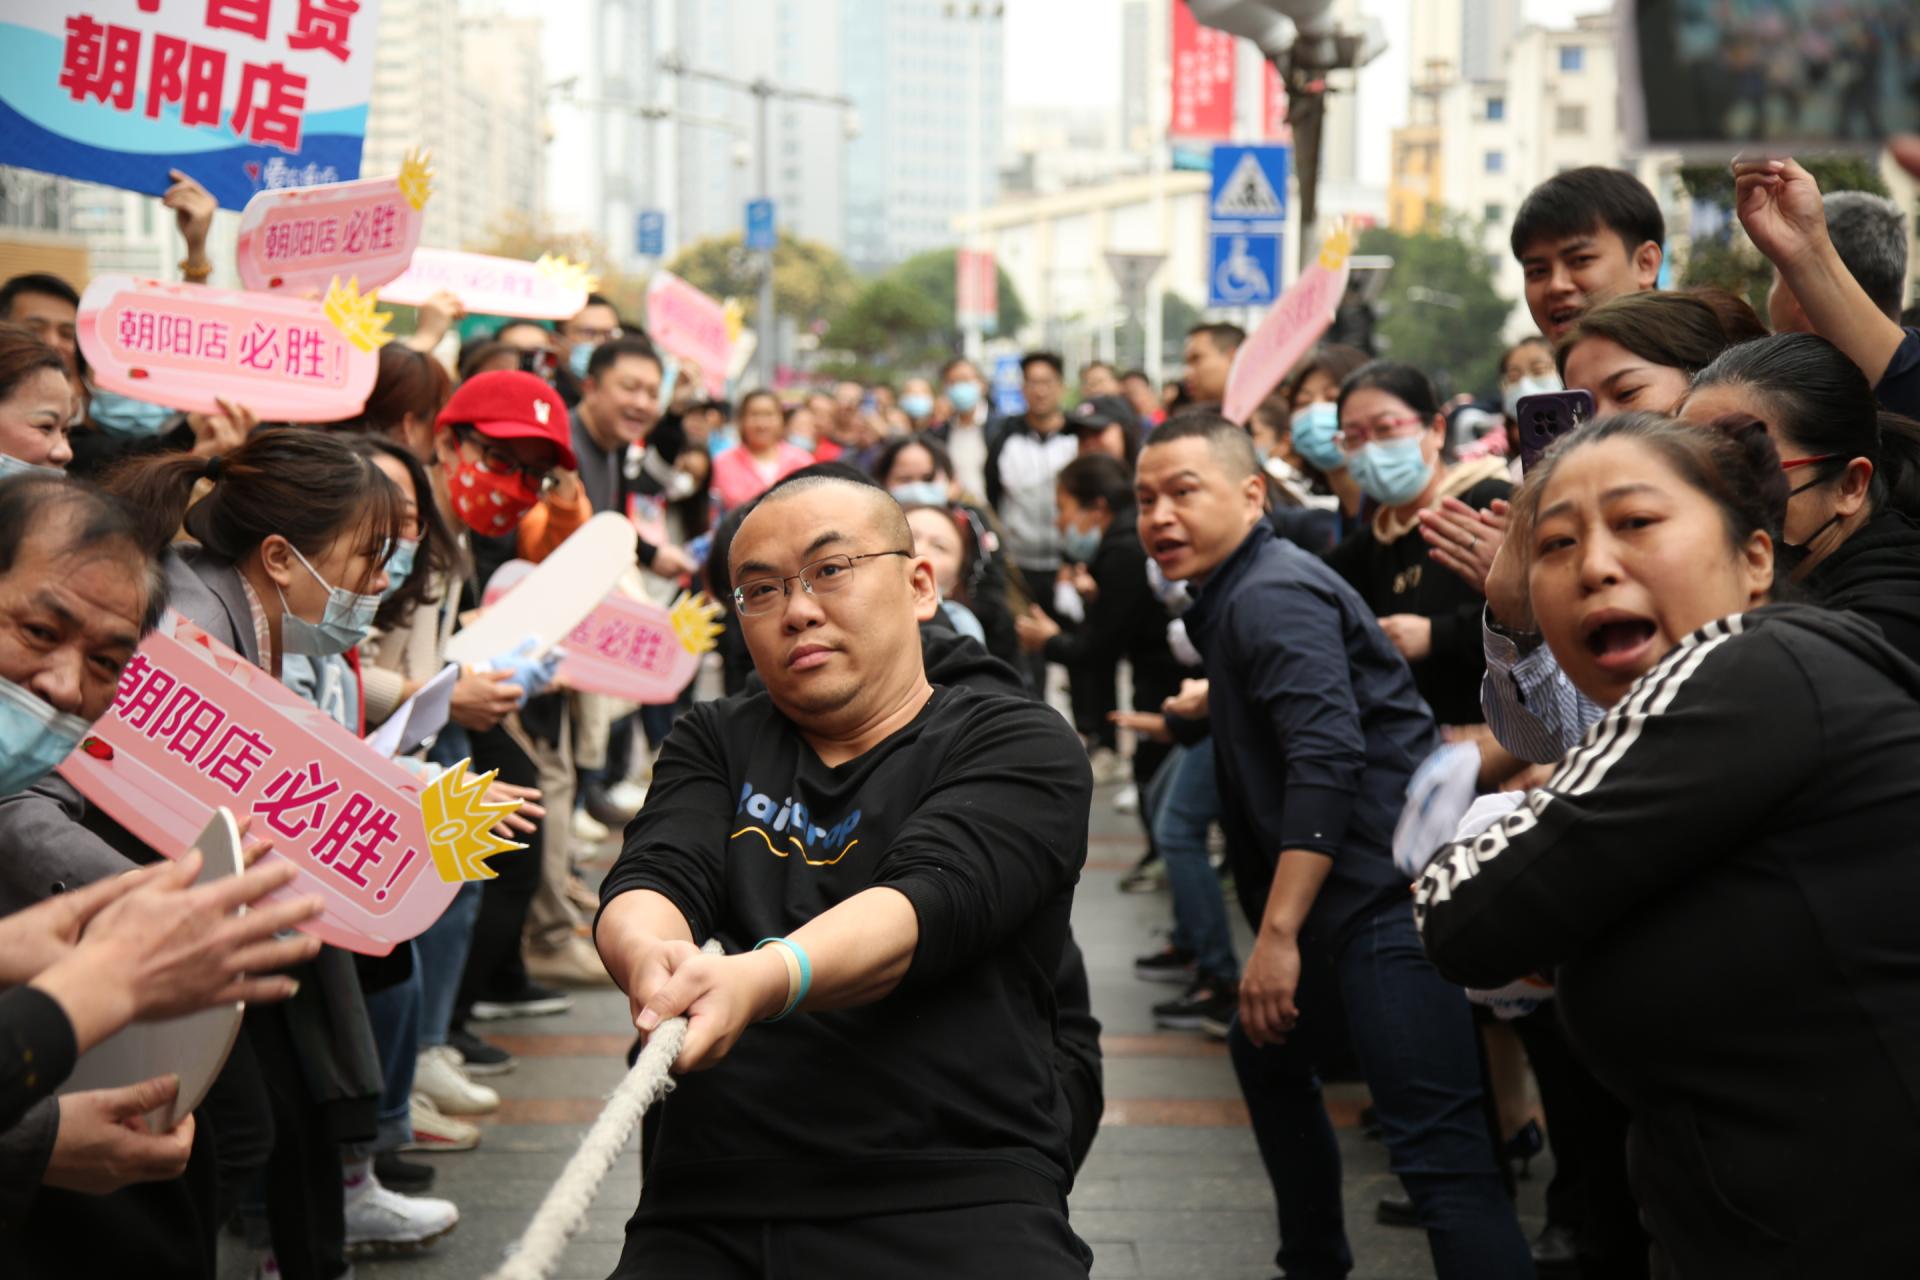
[563,1211]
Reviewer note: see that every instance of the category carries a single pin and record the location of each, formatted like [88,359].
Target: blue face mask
[131,419]
[917,405]
[1313,430]
[1081,544]
[400,566]
[965,396]
[348,618]
[921,493]
[33,737]
[1391,472]
[10,467]
[581,354]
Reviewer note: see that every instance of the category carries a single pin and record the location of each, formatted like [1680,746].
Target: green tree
[891,327]
[1438,310]
[932,274]
[1729,261]
[811,283]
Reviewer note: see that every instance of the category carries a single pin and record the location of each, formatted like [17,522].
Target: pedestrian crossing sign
[1249,188]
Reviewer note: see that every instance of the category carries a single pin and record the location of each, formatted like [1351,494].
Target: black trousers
[979,1242]
[494,963]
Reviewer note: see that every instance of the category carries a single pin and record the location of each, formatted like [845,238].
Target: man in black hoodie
[883,1079]
[1317,729]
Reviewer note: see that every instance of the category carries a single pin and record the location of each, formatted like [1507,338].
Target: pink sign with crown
[187,346]
[1303,313]
[195,726]
[295,240]
[550,289]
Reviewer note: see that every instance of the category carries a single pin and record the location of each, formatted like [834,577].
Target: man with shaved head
[889,866]
[1317,729]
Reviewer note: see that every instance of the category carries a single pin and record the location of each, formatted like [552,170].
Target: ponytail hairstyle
[1732,462]
[439,554]
[1817,402]
[310,487]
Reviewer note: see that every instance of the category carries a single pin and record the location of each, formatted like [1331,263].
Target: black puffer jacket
[1876,574]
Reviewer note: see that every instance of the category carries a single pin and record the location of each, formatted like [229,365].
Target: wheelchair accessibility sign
[1247,211]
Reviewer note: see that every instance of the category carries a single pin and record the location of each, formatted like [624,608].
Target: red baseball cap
[512,404]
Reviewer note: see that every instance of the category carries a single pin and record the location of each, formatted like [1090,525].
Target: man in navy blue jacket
[1317,729]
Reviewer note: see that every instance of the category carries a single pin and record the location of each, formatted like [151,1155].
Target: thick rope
[564,1210]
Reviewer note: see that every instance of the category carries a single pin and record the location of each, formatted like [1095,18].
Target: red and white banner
[195,726]
[1290,329]
[549,289]
[296,240]
[1203,59]
[187,346]
[690,326]
[976,288]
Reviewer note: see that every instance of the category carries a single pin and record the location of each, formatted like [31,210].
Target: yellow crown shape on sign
[1336,247]
[696,620]
[459,822]
[416,177]
[566,273]
[736,318]
[353,315]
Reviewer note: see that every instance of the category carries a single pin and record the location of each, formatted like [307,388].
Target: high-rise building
[925,77]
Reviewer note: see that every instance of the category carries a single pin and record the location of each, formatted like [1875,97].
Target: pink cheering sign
[295,240]
[550,289]
[187,347]
[688,325]
[1296,322]
[195,726]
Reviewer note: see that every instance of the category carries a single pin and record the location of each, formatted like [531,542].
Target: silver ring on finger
[1472,543]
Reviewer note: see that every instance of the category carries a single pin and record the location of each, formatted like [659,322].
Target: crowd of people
[1628,718]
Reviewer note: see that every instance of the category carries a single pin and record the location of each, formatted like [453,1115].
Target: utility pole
[764,91]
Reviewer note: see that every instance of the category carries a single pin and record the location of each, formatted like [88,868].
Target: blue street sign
[1008,397]
[1249,189]
[651,239]
[760,234]
[1243,270]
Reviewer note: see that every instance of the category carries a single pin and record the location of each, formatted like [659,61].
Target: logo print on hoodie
[791,825]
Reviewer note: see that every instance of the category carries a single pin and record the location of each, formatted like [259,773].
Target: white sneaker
[1128,801]
[588,829]
[1107,765]
[439,1076]
[383,1223]
[434,1130]
[627,795]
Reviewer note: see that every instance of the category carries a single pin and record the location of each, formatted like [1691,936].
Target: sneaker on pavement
[1128,801]
[383,1223]
[439,1075]
[1168,964]
[479,1057]
[574,963]
[1107,766]
[531,1001]
[1208,1005]
[434,1130]
[1147,876]
[588,829]
[409,1177]
[599,802]
[627,795]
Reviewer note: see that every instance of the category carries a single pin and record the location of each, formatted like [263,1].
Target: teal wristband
[799,953]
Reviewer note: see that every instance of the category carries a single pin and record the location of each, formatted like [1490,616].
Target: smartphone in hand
[1546,417]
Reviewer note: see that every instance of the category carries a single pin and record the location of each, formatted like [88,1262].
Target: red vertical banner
[976,287]
[1273,107]
[1203,61]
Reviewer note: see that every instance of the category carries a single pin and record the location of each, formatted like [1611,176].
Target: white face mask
[1531,385]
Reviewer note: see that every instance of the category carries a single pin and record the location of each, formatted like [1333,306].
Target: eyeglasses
[1788,464]
[1355,438]
[503,461]
[823,577]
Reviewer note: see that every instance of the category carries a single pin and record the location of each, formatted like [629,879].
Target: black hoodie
[1724,879]
[1876,574]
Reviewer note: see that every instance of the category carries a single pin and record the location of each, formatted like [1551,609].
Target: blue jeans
[440,955]
[1184,803]
[395,1015]
[1414,1038]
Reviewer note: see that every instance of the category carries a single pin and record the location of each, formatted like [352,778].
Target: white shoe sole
[488,1011]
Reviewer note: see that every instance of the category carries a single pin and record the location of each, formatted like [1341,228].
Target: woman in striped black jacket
[1724,878]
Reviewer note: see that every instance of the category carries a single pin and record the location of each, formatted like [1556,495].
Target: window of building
[1570,118]
[1496,162]
[1494,213]
[1496,108]
[1573,57]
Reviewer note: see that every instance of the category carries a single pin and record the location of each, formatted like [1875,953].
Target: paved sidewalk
[1173,1189]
